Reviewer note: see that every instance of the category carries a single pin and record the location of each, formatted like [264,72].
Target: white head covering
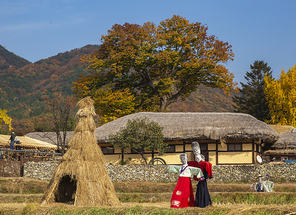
[184,158]
[195,147]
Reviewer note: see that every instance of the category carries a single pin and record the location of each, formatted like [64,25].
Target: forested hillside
[23,90]
[205,99]
[9,59]
[24,85]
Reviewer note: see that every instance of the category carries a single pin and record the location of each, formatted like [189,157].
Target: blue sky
[256,29]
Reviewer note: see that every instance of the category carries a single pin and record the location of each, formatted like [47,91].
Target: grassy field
[22,196]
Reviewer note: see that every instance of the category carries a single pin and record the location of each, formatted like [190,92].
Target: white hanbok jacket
[185,171]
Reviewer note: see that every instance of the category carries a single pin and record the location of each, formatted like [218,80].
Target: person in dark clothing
[12,137]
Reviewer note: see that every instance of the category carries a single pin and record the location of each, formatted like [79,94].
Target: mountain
[23,89]
[205,99]
[24,85]
[9,59]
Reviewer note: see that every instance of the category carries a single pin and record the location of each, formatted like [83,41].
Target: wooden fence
[12,161]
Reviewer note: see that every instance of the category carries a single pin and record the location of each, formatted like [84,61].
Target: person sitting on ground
[183,194]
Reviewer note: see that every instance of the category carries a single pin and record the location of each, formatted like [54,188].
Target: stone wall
[39,170]
[9,168]
[277,171]
[158,173]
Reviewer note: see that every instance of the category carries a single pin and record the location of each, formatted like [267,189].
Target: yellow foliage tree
[5,118]
[281,97]
[112,104]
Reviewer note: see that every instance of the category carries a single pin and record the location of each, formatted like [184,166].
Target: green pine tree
[251,98]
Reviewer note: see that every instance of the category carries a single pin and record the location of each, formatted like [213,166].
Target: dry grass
[153,198]
[30,186]
[151,187]
[146,208]
[20,198]
[22,185]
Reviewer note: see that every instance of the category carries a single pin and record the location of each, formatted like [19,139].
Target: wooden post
[21,164]
[253,152]
[217,154]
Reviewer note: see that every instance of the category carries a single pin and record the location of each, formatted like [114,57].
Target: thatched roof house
[49,137]
[281,128]
[284,147]
[281,152]
[287,140]
[27,143]
[225,138]
[197,126]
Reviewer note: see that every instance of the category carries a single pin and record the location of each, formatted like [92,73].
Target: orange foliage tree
[157,64]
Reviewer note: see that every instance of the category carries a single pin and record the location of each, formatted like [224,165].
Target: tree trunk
[144,158]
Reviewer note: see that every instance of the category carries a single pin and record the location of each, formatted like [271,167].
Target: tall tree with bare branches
[61,109]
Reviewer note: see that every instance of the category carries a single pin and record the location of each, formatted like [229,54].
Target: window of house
[107,150]
[234,147]
[257,148]
[203,147]
[172,148]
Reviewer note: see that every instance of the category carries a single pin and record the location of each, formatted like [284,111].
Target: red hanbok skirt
[183,194]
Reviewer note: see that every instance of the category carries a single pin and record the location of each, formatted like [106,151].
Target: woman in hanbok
[202,197]
[183,194]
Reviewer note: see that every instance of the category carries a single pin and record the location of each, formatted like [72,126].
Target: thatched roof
[280,152]
[286,140]
[197,126]
[281,128]
[26,142]
[49,137]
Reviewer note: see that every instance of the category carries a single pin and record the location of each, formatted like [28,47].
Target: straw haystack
[81,178]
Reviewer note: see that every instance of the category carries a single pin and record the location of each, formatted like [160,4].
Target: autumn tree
[140,135]
[62,111]
[4,118]
[281,97]
[251,98]
[156,64]
[113,104]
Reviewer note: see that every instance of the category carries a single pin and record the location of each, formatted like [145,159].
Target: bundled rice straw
[81,178]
